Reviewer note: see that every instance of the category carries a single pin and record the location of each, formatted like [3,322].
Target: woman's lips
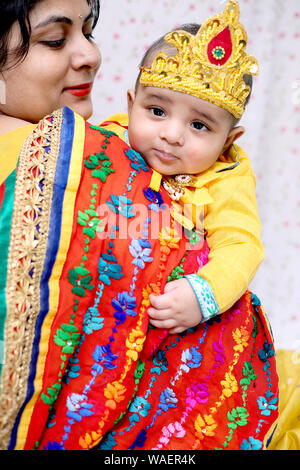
[80,90]
[165,156]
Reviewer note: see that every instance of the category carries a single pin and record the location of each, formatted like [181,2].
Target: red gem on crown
[219,49]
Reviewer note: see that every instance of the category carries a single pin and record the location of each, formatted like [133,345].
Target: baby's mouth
[166,156]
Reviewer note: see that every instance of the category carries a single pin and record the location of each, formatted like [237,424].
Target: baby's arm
[233,235]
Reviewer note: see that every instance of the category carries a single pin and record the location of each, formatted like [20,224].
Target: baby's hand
[177,309]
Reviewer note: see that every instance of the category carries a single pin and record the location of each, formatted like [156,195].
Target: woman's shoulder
[9,124]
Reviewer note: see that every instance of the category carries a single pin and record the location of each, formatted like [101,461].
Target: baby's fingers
[155,314]
[159,302]
[163,324]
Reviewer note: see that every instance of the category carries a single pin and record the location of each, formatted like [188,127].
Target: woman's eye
[198,125]
[157,112]
[55,44]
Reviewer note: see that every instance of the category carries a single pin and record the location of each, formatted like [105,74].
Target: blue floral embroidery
[140,249]
[265,353]
[78,407]
[103,358]
[121,205]
[267,406]
[109,270]
[255,302]
[109,442]
[160,362]
[72,370]
[124,306]
[252,444]
[167,399]
[191,359]
[53,446]
[140,407]
[137,161]
[155,198]
[140,440]
[92,322]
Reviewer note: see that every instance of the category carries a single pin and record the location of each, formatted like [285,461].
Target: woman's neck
[8,123]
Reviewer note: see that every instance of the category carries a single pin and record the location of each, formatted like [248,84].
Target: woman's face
[61,64]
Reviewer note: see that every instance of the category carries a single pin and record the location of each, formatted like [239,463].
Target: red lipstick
[80,90]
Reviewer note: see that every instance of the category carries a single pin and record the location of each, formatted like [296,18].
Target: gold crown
[210,65]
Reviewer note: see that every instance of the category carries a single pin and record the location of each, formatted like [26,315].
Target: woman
[80,367]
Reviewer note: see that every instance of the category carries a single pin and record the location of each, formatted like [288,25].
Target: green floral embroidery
[53,392]
[178,272]
[100,162]
[67,336]
[104,131]
[89,219]
[139,371]
[248,373]
[80,282]
[237,417]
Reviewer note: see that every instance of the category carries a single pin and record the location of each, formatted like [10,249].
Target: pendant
[175,186]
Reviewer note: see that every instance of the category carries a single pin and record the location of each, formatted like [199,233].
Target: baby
[188,137]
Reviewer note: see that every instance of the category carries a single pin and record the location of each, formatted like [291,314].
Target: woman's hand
[177,309]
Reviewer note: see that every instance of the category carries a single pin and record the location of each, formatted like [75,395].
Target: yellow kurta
[231,222]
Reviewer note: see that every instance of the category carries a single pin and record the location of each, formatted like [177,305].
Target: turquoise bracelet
[205,296]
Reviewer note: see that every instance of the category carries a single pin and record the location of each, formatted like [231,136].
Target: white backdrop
[127,27]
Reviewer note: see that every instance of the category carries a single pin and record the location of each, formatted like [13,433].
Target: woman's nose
[86,55]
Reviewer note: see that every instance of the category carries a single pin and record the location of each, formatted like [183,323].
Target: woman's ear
[130,99]
[233,135]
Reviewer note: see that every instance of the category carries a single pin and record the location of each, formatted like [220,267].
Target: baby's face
[176,132]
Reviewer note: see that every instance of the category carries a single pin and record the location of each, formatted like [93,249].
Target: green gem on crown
[218,52]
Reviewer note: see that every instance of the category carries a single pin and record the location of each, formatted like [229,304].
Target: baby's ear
[130,99]
[233,135]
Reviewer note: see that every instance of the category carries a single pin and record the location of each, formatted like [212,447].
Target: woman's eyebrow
[60,19]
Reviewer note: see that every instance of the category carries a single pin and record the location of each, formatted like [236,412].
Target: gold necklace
[175,185]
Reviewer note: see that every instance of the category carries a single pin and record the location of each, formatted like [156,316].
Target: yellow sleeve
[117,123]
[233,234]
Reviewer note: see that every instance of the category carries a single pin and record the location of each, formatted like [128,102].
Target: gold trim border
[27,251]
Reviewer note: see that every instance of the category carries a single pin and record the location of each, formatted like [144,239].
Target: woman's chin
[83,108]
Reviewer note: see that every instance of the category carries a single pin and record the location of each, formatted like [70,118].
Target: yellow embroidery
[229,385]
[241,337]
[204,426]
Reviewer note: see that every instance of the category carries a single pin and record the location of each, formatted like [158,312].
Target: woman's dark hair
[18,10]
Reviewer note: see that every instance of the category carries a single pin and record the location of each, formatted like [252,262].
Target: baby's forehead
[188,102]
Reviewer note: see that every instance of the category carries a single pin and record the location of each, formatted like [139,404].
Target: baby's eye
[199,126]
[157,111]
